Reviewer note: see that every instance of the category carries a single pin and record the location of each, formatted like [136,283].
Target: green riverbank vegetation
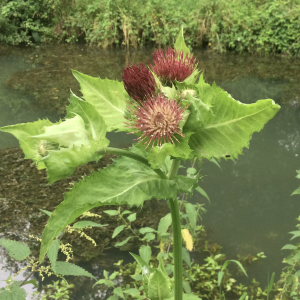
[255,26]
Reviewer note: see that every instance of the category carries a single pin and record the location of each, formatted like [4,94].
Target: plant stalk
[177,239]
[132,155]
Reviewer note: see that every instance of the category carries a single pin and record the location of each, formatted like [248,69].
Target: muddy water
[251,209]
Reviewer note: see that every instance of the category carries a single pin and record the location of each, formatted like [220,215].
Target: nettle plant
[176,117]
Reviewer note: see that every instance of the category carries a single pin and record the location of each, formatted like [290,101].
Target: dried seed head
[139,82]
[173,65]
[157,120]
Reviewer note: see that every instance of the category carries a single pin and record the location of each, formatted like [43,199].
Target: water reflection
[251,209]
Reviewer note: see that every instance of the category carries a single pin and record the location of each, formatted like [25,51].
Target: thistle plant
[175,115]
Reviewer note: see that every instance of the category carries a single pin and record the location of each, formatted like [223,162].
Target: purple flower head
[157,120]
[139,82]
[173,65]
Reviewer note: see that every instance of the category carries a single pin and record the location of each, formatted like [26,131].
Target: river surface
[251,209]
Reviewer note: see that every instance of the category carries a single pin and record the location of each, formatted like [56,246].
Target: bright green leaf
[180,44]
[149,236]
[220,277]
[192,214]
[159,286]
[235,261]
[120,244]
[48,213]
[118,230]
[16,250]
[111,212]
[145,253]
[52,253]
[164,225]
[225,126]
[144,230]
[126,181]
[202,192]
[68,133]
[186,256]
[108,96]
[66,268]
[15,293]
[132,217]
[289,247]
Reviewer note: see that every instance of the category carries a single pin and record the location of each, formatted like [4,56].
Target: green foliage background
[263,26]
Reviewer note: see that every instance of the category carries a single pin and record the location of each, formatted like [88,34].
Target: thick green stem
[133,156]
[177,240]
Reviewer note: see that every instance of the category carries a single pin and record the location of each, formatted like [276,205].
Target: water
[251,208]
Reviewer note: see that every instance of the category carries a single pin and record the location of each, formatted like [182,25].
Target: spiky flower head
[139,82]
[157,120]
[173,65]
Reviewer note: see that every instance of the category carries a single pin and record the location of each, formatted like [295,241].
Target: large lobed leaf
[62,146]
[223,126]
[108,96]
[125,182]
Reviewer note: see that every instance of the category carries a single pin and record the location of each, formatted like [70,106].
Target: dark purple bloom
[173,65]
[139,82]
[157,120]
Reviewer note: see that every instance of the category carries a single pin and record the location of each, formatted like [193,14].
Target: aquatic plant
[187,120]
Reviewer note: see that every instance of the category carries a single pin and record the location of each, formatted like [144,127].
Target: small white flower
[145,270]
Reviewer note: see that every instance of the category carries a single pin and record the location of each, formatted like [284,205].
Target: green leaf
[120,244]
[127,181]
[159,286]
[145,253]
[186,297]
[180,44]
[222,125]
[62,163]
[66,134]
[244,295]
[144,266]
[213,160]
[66,268]
[48,213]
[52,253]
[118,230]
[108,96]
[235,261]
[295,234]
[111,212]
[157,155]
[16,250]
[24,132]
[132,292]
[119,292]
[144,230]
[113,297]
[149,236]
[93,121]
[126,212]
[192,214]
[164,225]
[220,277]
[296,191]
[186,287]
[202,192]
[83,224]
[15,293]
[289,247]
[132,217]
[186,256]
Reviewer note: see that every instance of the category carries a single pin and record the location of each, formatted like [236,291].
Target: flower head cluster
[172,65]
[138,82]
[157,120]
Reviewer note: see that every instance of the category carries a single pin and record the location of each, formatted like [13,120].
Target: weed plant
[255,26]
